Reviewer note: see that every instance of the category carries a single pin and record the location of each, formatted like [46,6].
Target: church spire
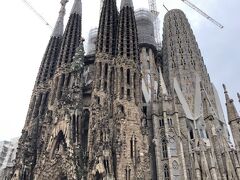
[231,109]
[49,61]
[77,7]
[58,29]
[106,41]
[226,93]
[127,32]
[72,34]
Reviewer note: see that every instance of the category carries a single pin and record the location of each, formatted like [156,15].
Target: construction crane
[155,13]
[165,7]
[202,13]
[37,13]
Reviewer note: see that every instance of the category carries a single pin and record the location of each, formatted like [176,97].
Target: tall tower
[100,138]
[28,148]
[131,151]
[188,82]
[62,144]
[184,70]
[126,110]
[51,134]
[182,58]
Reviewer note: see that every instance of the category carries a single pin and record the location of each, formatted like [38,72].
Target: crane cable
[37,13]
[202,13]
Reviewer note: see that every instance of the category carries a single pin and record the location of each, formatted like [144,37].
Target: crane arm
[37,13]
[202,13]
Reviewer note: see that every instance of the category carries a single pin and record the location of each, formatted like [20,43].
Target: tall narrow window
[74,128]
[100,69]
[121,82]
[161,122]
[112,78]
[122,78]
[131,147]
[191,134]
[84,129]
[128,77]
[126,173]
[164,148]
[166,172]
[129,174]
[129,94]
[170,121]
[77,127]
[134,85]
[106,71]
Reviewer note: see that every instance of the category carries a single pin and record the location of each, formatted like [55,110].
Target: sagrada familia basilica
[125,109]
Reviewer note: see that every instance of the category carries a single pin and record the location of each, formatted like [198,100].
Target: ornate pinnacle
[58,29]
[226,92]
[238,97]
[225,89]
[77,7]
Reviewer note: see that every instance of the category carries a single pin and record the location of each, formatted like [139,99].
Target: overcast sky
[24,37]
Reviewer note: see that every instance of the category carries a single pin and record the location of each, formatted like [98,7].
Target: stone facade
[126,110]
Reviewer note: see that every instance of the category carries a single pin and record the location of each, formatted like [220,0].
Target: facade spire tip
[77,7]
[225,88]
[58,29]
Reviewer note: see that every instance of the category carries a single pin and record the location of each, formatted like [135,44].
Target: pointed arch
[60,145]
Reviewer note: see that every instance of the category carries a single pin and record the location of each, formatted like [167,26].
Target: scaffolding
[153,9]
[145,24]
